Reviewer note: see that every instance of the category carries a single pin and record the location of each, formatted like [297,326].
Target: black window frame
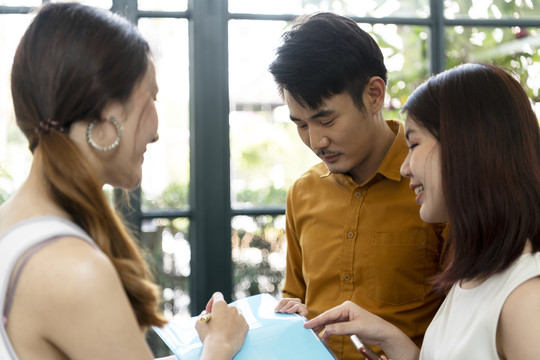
[210,211]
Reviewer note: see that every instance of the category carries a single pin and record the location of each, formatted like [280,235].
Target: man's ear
[374,94]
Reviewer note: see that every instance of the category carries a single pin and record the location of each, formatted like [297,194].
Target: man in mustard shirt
[353,229]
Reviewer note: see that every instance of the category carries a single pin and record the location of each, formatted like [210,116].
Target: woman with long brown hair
[73,283]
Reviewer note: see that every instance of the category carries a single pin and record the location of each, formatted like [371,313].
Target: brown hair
[490,155]
[72,60]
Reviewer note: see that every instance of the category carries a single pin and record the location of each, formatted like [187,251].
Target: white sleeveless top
[14,243]
[465,326]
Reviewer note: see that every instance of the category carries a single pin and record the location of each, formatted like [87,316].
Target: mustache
[321,153]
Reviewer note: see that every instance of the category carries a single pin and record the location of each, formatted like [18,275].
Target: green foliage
[512,47]
[269,196]
[175,196]
[166,276]
[258,274]
[506,47]
[413,48]
[164,267]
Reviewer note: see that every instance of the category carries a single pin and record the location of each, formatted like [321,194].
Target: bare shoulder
[524,298]
[68,272]
[72,263]
[519,322]
[81,303]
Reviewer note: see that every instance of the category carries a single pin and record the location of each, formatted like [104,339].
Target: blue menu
[271,335]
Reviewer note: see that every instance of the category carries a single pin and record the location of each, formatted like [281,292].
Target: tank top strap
[18,243]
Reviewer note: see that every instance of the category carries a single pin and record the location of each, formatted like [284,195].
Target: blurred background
[210,210]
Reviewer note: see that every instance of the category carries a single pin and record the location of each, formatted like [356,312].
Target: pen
[364,349]
[205,318]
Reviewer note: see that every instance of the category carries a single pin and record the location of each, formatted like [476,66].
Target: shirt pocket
[396,264]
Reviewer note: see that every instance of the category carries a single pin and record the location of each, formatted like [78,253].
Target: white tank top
[15,243]
[465,326]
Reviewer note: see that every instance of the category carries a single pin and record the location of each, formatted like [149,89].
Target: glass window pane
[105,4]
[162,5]
[258,253]
[262,137]
[517,49]
[165,179]
[371,8]
[15,158]
[169,255]
[405,51]
[491,9]
[31,3]
[168,252]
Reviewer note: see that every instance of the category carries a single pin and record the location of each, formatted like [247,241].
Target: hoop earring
[104,148]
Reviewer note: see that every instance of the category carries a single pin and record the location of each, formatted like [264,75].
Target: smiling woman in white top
[474,161]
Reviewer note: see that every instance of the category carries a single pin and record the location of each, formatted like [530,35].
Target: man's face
[337,132]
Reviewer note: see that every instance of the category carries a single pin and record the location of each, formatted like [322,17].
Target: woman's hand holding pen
[349,318]
[223,333]
[291,306]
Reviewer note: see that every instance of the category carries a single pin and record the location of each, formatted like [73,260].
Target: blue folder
[271,335]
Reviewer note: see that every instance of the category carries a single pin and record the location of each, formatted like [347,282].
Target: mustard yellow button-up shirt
[365,243]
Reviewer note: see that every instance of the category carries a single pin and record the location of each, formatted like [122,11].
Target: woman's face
[423,166]
[139,121]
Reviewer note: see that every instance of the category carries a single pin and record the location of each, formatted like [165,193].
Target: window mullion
[437,56]
[210,230]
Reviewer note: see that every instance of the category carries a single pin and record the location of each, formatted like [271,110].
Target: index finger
[217,297]
[328,317]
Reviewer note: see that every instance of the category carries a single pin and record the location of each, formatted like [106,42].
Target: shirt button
[350,234]
[358,194]
[346,277]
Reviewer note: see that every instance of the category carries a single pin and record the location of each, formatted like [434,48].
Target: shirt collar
[391,163]
[390,167]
